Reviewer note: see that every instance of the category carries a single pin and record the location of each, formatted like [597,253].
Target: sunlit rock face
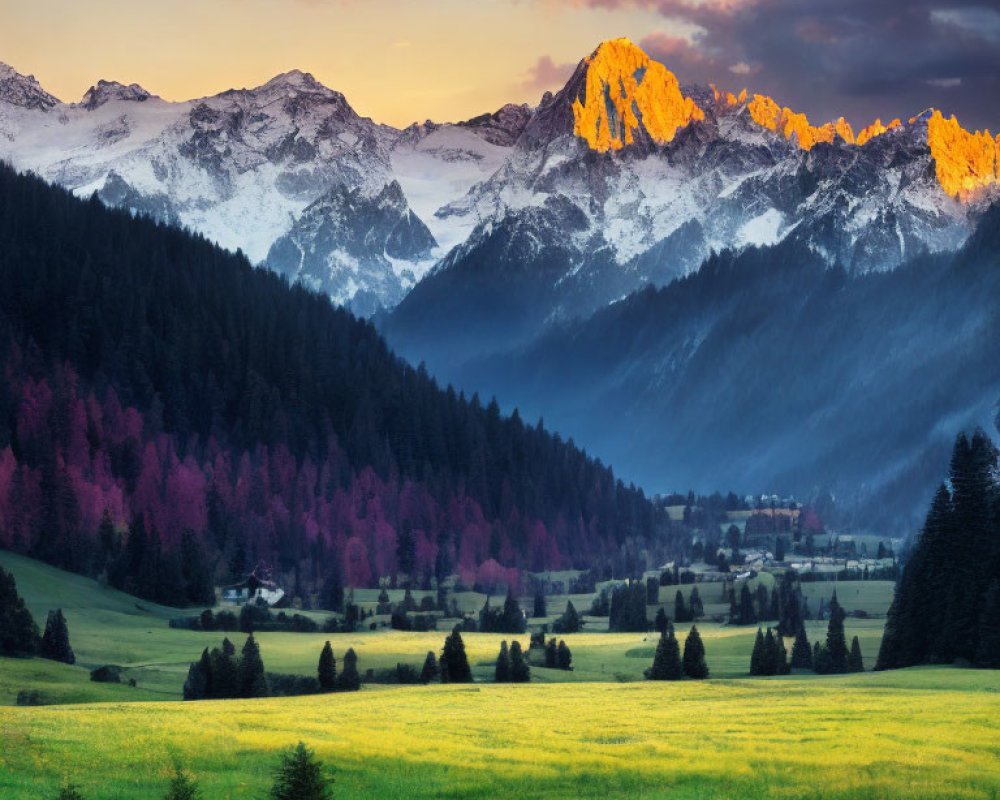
[626,96]
[768,114]
[875,129]
[966,163]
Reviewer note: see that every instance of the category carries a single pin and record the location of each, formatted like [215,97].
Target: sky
[400,61]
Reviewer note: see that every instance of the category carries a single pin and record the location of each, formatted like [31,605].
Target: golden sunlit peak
[626,94]
[965,162]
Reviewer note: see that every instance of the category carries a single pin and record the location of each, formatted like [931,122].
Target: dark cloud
[859,58]
[546,75]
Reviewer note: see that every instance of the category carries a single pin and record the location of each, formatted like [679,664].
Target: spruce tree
[661,621]
[836,640]
[570,619]
[781,666]
[694,656]
[429,673]
[300,776]
[182,786]
[350,678]
[757,657]
[680,611]
[564,658]
[855,663]
[801,651]
[55,640]
[18,632]
[551,653]
[769,659]
[658,671]
[512,619]
[454,663]
[69,792]
[520,672]
[252,681]
[540,609]
[224,671]
[673,669]
[502,672]
[196,687]
[327,669]
[695,606]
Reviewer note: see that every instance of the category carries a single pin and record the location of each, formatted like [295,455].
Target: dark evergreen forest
[172,416]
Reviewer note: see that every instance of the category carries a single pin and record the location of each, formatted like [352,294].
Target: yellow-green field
[597,731]
[109,627]
[932,733]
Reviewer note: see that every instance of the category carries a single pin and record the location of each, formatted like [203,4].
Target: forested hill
[164,405]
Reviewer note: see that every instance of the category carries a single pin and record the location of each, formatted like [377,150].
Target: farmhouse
[254,589]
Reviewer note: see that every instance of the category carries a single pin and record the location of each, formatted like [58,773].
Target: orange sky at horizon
[396,61]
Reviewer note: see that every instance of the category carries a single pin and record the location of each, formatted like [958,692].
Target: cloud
[545,74]
[672,50]
[860,58]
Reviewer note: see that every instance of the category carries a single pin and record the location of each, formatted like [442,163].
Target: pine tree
[182,786]
[540,609]
[680,611]
[430,672]
[350,678]
[836,640]
[327,669]
[855,663]
[224,678]
[454,663]
[694,655]
[502,672]
[551,654]
[252,681]
[55,640]
[673,669]
[661,621]
[300,776]
[801,651]
[18,632]
[781,666]
[196,687]
[695,606]
[988,650]
[564,658]
[658,671]
[758,662]
[520,672]
[513,619]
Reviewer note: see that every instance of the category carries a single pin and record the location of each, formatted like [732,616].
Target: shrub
[109,673]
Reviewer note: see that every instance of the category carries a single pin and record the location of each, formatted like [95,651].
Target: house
[254,590]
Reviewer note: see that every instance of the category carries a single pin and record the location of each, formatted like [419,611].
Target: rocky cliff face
[355,247]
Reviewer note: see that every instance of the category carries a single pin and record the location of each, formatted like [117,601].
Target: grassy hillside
[909,735]
[109,627]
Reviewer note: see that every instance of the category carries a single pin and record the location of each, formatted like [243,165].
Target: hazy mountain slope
[769,370]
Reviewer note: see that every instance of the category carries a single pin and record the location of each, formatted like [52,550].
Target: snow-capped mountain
[285,165]
[622,178]
[625,178]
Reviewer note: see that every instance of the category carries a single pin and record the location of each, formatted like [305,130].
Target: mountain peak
[966,163]
[23,90]
[296,80]
[108,91]
[623,96]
